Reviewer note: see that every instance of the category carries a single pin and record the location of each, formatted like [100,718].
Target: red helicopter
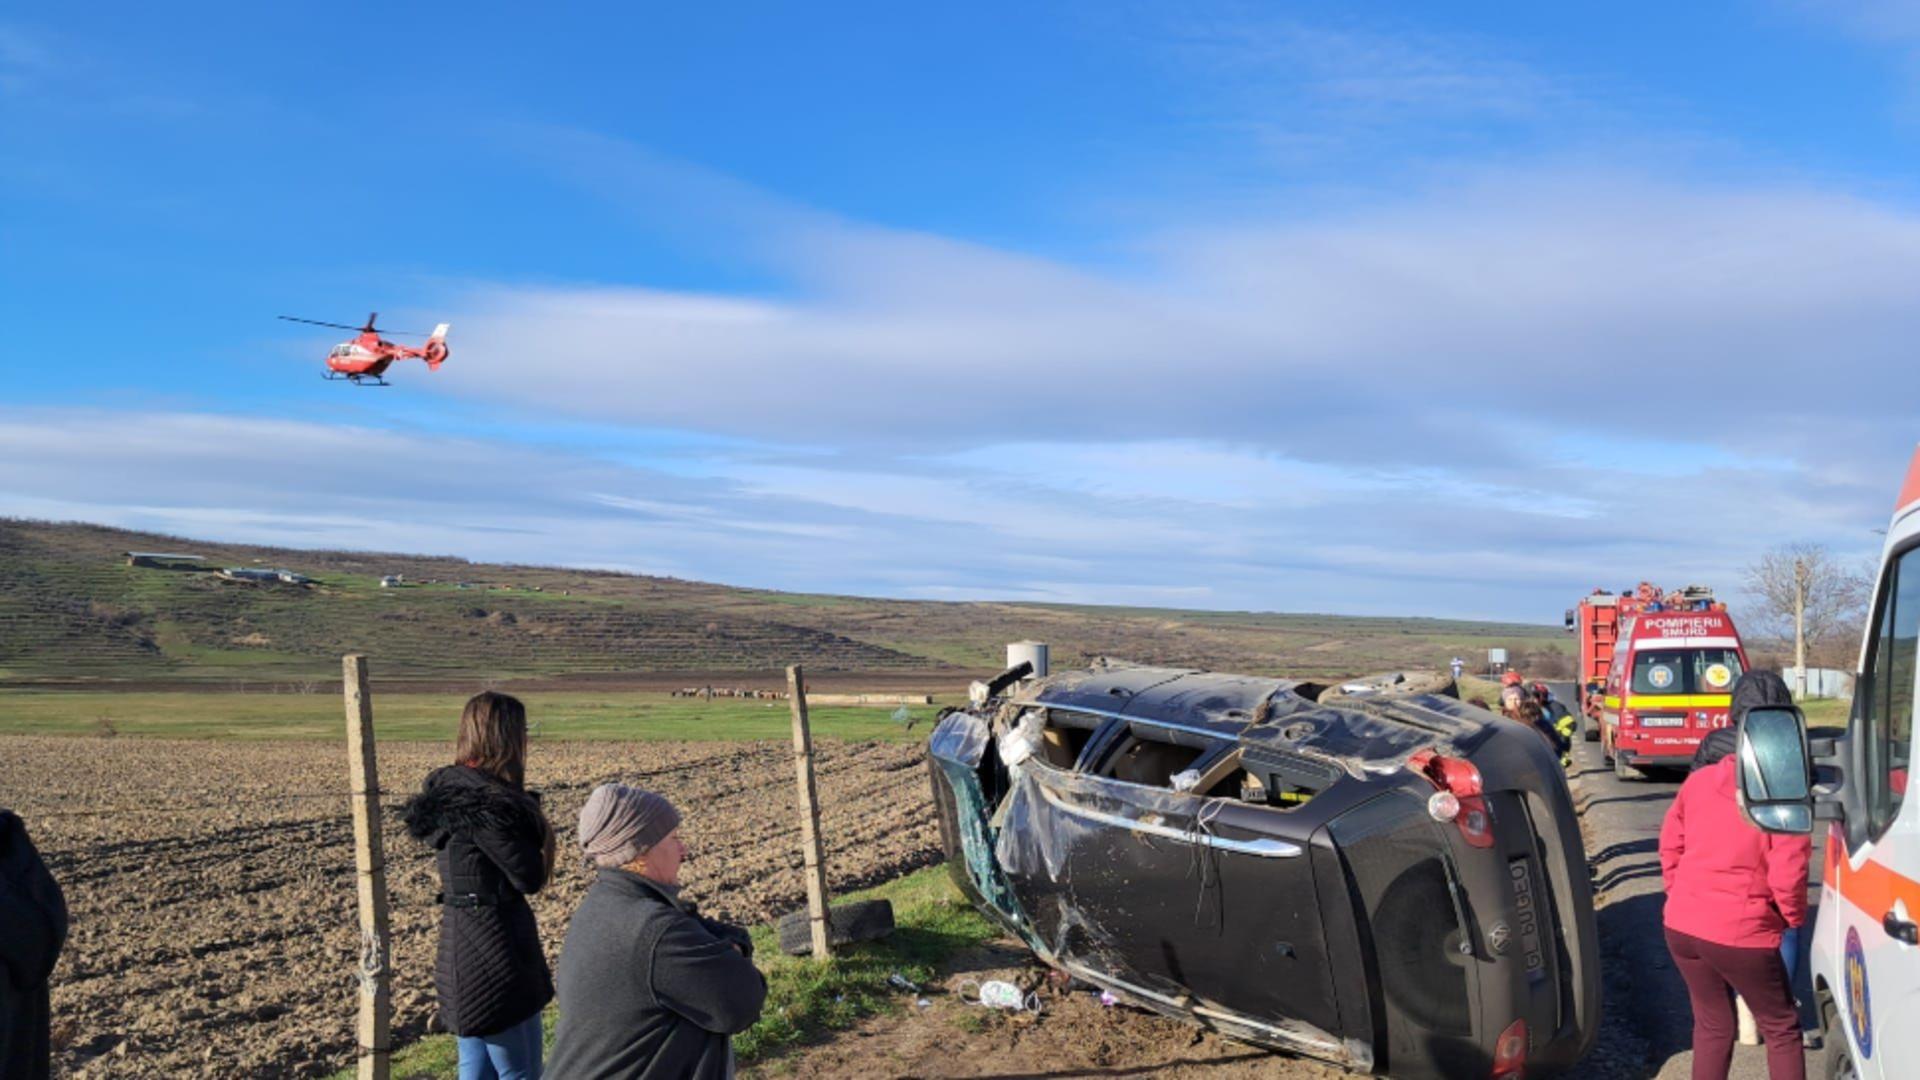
[363,360]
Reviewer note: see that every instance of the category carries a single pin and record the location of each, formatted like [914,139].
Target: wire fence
[28,812]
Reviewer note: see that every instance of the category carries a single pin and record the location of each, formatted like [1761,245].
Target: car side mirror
[1775,770]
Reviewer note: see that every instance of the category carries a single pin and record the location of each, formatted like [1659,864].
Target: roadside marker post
[813,860]
[370,862]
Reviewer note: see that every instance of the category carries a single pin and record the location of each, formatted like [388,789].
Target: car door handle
[1900,929]
[1265,847]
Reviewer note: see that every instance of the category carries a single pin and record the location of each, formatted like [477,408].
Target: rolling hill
[73,611]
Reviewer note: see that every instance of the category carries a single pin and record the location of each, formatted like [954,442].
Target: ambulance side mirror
[1775,770]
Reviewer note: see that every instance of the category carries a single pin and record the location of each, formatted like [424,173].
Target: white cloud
[1274,62]
[1452,330]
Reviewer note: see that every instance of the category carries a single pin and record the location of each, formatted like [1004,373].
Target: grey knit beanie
[620,823]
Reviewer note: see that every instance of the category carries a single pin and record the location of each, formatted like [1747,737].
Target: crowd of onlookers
[1535,707]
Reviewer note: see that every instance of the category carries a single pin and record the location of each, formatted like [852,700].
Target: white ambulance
[1866,937]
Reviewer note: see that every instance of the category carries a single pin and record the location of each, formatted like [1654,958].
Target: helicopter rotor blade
[357,329]
[317,322]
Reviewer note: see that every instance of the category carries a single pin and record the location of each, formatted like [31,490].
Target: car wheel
[847,922]
[1836,1060]
[1836,1063]
[1624,771]
[1589,730]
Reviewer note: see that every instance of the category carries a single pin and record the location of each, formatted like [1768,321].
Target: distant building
[164,560]
[246,573]
[1821,682]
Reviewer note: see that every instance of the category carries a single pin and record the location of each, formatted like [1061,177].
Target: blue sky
[1401,309]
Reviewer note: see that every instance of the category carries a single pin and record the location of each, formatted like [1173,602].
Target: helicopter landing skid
[357,380]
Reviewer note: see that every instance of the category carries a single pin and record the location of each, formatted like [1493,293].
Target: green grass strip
[631,715]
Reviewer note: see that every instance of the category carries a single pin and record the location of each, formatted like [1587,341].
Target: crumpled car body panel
[1303,898]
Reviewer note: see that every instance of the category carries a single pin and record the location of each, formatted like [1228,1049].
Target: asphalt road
[1649,1018]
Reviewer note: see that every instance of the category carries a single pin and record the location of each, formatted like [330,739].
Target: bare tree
[1803,591]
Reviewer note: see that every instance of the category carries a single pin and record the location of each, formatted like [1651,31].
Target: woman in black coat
[33,926]
[494,846]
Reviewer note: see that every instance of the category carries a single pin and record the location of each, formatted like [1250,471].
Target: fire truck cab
[1865,948]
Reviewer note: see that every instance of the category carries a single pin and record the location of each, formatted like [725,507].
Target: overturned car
[1374,874]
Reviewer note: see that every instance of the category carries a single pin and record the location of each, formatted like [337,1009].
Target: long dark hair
[493,736]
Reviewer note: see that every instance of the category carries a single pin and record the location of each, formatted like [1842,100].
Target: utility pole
[1801,584]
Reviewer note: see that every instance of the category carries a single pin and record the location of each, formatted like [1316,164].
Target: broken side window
[1152,756]
[1066,735]
[1283,779]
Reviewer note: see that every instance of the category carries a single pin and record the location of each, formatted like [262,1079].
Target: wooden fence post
[811,856]
[369,855]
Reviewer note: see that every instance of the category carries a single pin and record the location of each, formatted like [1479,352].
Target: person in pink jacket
[1731,892]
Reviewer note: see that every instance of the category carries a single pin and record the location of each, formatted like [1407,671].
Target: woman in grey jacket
[648,988]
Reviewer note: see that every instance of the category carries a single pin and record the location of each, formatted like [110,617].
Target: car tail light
[1460,781]
[1457,775]
[1475,822]
[1510,1053]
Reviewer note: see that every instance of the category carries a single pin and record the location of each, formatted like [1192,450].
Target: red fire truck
[1656,673]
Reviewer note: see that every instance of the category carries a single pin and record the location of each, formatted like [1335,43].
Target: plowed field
[211,884]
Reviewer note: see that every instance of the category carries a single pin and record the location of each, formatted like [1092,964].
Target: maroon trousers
[1714,973]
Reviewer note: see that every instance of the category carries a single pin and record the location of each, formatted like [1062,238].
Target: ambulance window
[1685,671]
[1888,711]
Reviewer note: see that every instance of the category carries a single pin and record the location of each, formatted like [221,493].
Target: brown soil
[212,890]
[1073,1034]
